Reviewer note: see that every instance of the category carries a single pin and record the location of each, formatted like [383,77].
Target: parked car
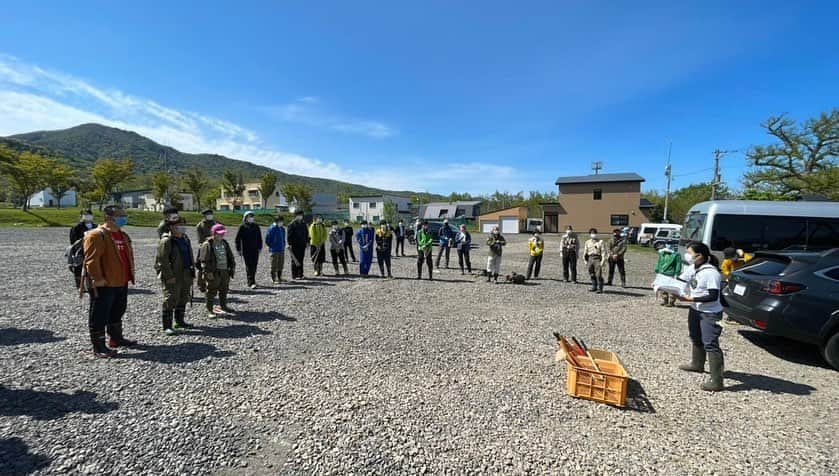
[648,231]
[666,237]
[790,294]
[434,228]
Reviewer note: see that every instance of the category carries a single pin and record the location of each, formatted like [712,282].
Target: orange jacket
[101,259]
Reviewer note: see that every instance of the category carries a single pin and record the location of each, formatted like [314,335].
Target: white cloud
[309,112]
[32,98]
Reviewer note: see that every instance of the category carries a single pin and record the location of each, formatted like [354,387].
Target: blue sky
[437,96]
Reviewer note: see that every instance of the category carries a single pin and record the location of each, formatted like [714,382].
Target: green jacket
[617,246]
[496,244]
[204,230]
[424,241]
[162,228]
[669,264]
[317,234]
[207,257]
[169,262]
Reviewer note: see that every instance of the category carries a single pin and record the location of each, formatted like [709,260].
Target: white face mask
[87,218]
[208,217]
[593,236]
[689,258]
[567,232]
[250,219]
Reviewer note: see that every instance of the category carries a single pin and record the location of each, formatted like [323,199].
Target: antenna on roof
[596,166]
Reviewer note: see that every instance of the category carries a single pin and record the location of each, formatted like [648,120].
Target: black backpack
[74,254]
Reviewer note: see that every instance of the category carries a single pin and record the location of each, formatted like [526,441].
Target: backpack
[74,254]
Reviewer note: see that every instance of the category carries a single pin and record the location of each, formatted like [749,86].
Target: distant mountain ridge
[83,145]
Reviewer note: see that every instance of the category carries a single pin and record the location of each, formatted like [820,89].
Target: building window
[277,194]
[375,218]
[372,204]
[598,194]
[359,219]
[619,220]
[356,205]
[444,212]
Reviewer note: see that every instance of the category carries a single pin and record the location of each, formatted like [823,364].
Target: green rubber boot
[697,360]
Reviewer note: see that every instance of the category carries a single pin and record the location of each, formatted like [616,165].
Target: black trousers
[569,262]
[400,244]
[299,252]
[349,252]
[443,248]
[77,274]
[384,261]
[621,269]
[107,307]
[338,256]
[463,257]
[251,261]
[423,257]
[534,265]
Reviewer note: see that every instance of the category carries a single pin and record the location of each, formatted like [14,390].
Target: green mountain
[83,145]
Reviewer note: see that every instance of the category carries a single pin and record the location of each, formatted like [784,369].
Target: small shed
[509,220]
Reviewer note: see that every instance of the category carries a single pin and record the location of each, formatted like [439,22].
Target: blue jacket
[365,238]
[275,239]
[446,233]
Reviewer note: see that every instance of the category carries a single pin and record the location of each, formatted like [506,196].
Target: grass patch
[67,217]
[643,249]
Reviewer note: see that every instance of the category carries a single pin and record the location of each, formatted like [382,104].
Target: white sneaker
[170,332]
[253,286]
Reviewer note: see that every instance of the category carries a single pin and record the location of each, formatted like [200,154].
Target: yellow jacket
[536,246]
[728,265]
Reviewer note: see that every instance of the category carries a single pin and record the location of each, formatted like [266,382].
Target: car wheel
[658,245]
[830,351]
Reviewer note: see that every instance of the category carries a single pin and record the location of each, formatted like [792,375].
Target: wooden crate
[607,386]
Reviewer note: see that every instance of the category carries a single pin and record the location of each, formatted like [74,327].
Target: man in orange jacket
[109,264]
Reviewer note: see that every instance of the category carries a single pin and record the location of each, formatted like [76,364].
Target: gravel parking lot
[347,375]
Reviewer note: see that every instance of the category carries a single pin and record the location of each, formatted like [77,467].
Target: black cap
[729,253]
[206,211]
[299,212]
[170,211]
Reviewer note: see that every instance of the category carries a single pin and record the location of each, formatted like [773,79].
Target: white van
[649,231]
[762,225]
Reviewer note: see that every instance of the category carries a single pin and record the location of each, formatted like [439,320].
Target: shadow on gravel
[636,398]
[235,331]
[183,353]
[14,336]
[253,316]
[766,383]
[15,457]
[133,291]
[622,293]
[251,292]
[42,405]
[789,350]
[315,282]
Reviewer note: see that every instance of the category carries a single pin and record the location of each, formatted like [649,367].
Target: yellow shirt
[536,246]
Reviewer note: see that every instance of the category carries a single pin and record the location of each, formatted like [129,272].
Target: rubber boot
[419,271]
[697,360]
[495,277]
[116,338]
[346,270]
[180,322]
[600,288]
[593,285]
[489,277]
[716,366]
[100,350]
[623,282]
[336,269]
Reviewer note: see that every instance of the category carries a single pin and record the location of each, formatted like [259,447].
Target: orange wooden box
[607,386]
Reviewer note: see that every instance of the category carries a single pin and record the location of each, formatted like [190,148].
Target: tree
[299,194]
[656,214]
[107,176]
[390,213]
[267,185]
[233,185]
[803,160]
[196,182]
[212,194]
[27,175]
[344,195]
[59,179]
[684,198]
[161,188]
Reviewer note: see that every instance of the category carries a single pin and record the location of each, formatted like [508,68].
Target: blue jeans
[704,329]
[107,307]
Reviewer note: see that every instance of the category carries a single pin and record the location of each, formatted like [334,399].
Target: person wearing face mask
[595,250]
[384,244]
[317,242]
[365,238]
[337,247]
[704,284]
[463,242]
[425,246]
[536,246]
[249,245]
[446,235]
[176,270]
[163,227]
[617,249]
[669,264]
[496,244]
[275,241]
[219,265]
[349,233]
[205,226]
[298,240]
[109,263]
[568,252]
[77,233]
[399,232]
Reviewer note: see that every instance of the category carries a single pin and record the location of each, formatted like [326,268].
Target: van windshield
[694,226]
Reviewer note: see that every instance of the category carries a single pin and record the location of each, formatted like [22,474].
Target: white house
[150,204]
[372,207]
[45,198]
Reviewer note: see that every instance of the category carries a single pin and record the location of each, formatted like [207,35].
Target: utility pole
[596,166]
[718,154]
[667,173]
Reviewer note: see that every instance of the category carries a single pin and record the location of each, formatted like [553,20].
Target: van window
[694,227]
[650,230]
[760,232]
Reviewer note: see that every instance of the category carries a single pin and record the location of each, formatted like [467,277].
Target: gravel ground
[347,376]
